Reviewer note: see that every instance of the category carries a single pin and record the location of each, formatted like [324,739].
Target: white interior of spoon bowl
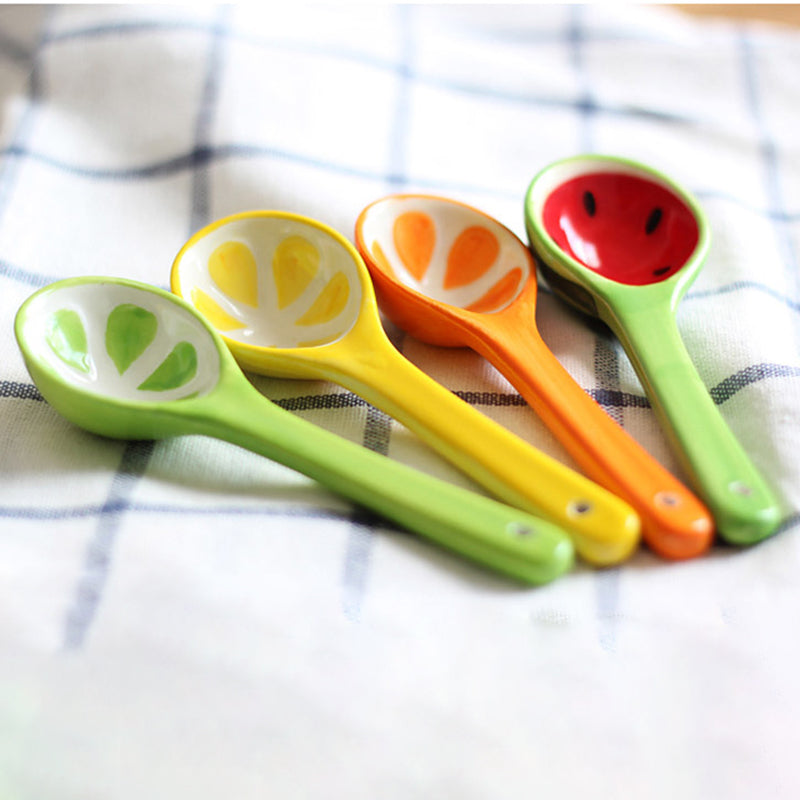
[272,280]
[146,326]
[448,252]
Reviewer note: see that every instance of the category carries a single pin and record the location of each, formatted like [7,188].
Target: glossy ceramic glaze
[451,275]
[623,242]
[292,297]
[129,361]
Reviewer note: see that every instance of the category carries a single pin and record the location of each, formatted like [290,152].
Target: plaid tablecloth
[184,619]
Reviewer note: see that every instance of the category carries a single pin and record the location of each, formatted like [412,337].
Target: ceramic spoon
[450,275]
[623,242]
[126,360]
[292,298]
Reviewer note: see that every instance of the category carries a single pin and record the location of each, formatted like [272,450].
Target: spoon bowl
[451,275]
[432,258]
[126,360]
[292,298]
[623,242]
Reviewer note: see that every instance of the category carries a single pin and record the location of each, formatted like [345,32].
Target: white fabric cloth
[186,619]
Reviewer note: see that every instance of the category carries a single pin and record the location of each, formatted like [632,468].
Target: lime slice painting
[130,332]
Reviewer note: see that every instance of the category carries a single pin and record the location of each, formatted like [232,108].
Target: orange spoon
[450,275]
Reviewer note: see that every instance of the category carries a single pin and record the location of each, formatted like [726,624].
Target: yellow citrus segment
[499,294]
[212,311]
[232,267]
[294,265]
[330,303]
[471,256]
[381,260]
[414,238]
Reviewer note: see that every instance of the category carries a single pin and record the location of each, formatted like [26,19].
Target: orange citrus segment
[232,267]
[381,260]
[330,303]
[471,256]
[294,265]
[499,294]
[212,311]
[414,238]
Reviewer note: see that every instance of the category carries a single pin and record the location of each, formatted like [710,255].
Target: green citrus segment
[129,332]
[67,338]
[178,368]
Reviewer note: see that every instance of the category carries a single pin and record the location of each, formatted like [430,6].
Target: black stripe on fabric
[757,372]
[317,402]
[615,398]
[360,538]
[19,391]
[606,372]
[609,398]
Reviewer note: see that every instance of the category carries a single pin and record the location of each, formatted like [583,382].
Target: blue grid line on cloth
[608,398]
[769,158]
[401,68]
[136,455]
[60,513]
[768,150]
[209,153]
[38,279]
[203,126]
[398,156]
[606,360]
[99,550]
[9,168]
[13,50]
[378,425]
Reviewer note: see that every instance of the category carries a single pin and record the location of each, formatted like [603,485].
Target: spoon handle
[744,507]
[501,538]
[675,523]
[604,528]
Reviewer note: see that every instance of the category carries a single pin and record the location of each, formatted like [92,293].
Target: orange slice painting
[471,256]
[414,239]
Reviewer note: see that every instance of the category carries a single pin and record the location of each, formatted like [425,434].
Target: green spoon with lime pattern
[130,361]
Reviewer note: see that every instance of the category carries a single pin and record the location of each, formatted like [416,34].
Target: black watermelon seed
[661,270]
[589,203]
[653,220]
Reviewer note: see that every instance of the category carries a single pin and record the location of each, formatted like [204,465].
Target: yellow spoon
[292,298]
